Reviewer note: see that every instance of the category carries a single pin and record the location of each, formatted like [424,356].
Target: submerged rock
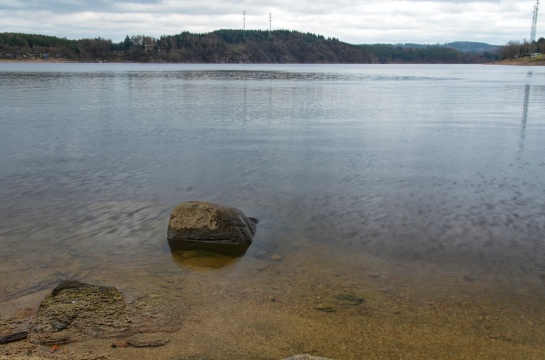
[76,311]
[207,226]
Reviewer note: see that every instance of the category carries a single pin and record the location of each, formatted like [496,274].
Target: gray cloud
[368,21]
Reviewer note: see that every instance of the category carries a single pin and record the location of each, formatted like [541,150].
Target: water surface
[399,179]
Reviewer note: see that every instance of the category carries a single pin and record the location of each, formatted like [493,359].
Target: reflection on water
[202,260]
[385,183]
[525,113]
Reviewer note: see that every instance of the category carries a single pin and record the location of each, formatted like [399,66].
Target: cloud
[368,21]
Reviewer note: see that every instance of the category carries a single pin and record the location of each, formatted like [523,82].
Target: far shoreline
[521,62]
[511,62]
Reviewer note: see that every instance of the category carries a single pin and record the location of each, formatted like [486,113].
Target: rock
[325,308]
[120,344]
[207,226]
[21,335]
[147,340]
[276,257]
[75,311]
[349,299]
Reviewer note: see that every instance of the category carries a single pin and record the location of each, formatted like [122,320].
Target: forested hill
[432,54]
[221,46]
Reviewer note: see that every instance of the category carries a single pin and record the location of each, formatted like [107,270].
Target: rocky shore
[76,312]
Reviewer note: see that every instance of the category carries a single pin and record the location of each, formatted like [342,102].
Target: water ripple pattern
[426,175]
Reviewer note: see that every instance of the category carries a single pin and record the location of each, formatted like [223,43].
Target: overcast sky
[353,21]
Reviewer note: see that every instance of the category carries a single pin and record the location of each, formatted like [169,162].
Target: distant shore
[520,62]
[35,61]
[525,61]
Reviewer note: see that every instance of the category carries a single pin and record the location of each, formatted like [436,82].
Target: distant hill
[476,47]
[465,46]
[459,52]
[221,46]
[233,46]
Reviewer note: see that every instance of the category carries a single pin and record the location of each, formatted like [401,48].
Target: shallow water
[423,181]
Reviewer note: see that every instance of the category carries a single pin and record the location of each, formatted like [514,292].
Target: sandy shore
[224,319]
[392,328]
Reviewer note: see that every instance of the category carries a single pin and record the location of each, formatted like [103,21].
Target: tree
[127,43]
[510,50]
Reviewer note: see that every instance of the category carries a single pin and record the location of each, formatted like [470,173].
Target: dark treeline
[221,46]
[228,46]
[517,49]
[427,54]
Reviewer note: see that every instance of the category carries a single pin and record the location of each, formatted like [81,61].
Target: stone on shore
[20,335]
[76,311]
[207,226]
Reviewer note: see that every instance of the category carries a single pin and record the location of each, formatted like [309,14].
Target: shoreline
[421,327]
[525,61]
[34,61]
[517,62]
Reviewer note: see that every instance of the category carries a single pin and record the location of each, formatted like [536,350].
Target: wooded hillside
[228,46]
[427,54]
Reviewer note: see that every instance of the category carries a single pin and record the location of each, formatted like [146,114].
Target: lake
[401,207]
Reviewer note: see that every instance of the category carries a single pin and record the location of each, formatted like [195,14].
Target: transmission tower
[244,25]
[534,23]
[270,26]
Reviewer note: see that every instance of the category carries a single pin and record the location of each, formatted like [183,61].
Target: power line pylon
[534,23]
[270,26]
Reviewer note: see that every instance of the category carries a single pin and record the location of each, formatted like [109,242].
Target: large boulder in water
[207,226]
